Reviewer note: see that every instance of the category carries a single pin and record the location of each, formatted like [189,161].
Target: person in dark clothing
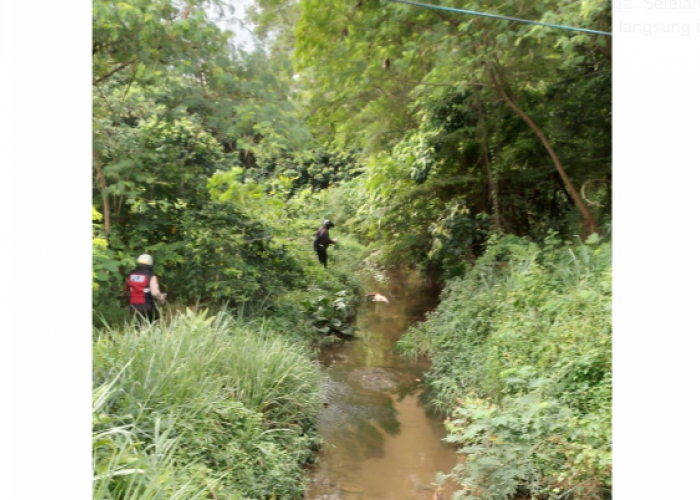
[142,286]
[321,241]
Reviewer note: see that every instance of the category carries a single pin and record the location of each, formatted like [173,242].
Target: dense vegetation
[187,133]
[194,145]
[199,405]
[521,346]
[468,124]
[475,150]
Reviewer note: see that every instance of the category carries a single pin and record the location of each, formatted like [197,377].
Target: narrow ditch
[381,441]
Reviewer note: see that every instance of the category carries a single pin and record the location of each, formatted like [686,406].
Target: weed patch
[200,404]
[522,362]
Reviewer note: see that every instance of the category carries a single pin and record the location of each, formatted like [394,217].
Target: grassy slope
[521,347]
[238,399]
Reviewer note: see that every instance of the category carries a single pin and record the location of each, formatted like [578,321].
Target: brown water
[381,441]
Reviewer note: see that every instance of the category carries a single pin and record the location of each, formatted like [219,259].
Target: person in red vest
[142,286]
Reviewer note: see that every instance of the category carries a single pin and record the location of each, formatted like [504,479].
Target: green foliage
[458,237]
[181,144]
[521,350]
[174,107]
[389,211]
[124,467]
[418,91]
[201,403]
[342,49]
[99,245]
[127,34]
[229,257]
[330,314]
[320,168]
[391,121]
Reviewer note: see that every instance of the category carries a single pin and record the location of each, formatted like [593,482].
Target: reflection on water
[380,441]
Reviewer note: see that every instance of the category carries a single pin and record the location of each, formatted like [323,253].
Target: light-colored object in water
[377,297]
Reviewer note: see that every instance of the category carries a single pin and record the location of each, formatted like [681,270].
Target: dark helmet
[328,224]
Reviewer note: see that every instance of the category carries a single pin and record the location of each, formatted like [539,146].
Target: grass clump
[521,350]
[202,406]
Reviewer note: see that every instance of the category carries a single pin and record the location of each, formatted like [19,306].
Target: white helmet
[145,260]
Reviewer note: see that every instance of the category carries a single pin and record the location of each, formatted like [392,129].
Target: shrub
[521,349]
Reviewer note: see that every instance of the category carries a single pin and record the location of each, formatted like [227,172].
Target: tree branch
[118,68]
[545,142]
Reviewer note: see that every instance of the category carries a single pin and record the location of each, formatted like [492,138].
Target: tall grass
[125,468]
[202,404]
[521,349]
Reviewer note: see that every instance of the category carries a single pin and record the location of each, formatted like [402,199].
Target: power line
[505,18]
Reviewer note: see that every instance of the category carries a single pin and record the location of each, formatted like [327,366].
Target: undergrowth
[521,350]
[221,405]
[202,407]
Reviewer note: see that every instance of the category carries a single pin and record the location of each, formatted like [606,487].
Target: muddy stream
[381,441]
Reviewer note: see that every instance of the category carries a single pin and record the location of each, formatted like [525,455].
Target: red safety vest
[138,284]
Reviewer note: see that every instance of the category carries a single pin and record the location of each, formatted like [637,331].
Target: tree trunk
[103,189]
[592,226]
